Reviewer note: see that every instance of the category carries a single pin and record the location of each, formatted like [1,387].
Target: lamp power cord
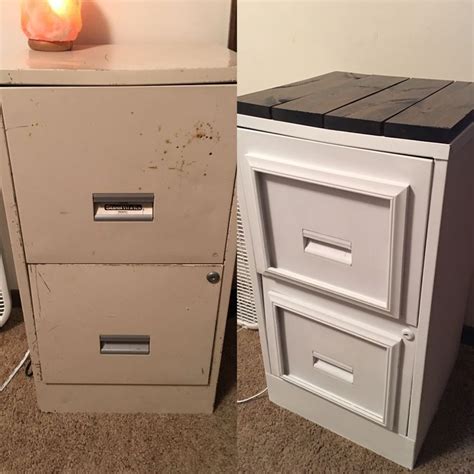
[15,371]
[253,397]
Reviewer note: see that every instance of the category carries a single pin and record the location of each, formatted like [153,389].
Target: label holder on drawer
[123,207]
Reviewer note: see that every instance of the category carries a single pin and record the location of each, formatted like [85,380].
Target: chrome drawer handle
[133,345]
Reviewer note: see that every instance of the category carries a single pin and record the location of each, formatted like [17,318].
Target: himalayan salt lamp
[51,25]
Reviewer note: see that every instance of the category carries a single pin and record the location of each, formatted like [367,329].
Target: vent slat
[5,304]
[246,310]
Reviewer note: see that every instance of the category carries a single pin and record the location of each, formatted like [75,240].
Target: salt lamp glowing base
[51,46]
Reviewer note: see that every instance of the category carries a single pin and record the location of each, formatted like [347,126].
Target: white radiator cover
[5,300]
[246,312]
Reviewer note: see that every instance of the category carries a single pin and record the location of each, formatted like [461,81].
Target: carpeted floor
[31,441]
[271,439]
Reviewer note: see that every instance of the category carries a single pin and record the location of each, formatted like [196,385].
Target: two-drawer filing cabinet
[357,199]
[118,168]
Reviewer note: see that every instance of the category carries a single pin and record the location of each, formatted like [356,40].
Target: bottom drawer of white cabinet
[125,324]
[324,348]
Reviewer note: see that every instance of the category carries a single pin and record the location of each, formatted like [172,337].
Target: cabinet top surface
[90,65]
[399,107]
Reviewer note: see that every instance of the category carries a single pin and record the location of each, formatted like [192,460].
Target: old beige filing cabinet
[118,167]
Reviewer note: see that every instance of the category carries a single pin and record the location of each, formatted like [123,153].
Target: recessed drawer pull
[331,367]
[139,345]
[123,207]
[328,247]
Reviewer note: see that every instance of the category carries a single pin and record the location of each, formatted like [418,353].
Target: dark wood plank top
[416,109]
[259,104]
[368,115]
[438,118]
[310,110]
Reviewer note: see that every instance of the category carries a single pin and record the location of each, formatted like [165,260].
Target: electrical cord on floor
[15,371]
[253,397]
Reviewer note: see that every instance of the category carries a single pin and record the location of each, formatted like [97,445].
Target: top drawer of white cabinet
[347,222]
[122,174]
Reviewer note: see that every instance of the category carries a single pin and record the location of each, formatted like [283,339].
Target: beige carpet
[31,441]
[271,439]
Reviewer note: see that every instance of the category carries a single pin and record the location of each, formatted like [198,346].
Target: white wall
[125,21]
[286,41]
[136,21]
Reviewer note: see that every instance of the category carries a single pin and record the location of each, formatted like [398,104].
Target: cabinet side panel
[227,281]
[16,239]
[256,279]
[452,283]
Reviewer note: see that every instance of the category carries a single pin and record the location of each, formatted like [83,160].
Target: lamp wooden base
[50,46]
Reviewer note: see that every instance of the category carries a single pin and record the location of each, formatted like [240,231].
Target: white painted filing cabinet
[118,167]
[361,240]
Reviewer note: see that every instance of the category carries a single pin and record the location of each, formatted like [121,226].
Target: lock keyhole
[213,277]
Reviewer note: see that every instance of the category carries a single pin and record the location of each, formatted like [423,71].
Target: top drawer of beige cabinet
[122,174]
[347,222]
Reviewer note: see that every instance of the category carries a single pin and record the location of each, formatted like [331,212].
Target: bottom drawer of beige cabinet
[125,324]
[332,354]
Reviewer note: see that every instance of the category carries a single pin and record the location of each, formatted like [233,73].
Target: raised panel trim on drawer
[390,344]
[394,193]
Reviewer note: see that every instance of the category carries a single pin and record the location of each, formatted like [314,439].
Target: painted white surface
[440,151]
[399,449]
[336,358]
[282,41]
[444,294]
[439,326]
[348,315]
[124,22]
[367,188]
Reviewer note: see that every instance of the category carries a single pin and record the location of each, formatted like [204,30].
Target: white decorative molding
[395,194]
[390,344]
